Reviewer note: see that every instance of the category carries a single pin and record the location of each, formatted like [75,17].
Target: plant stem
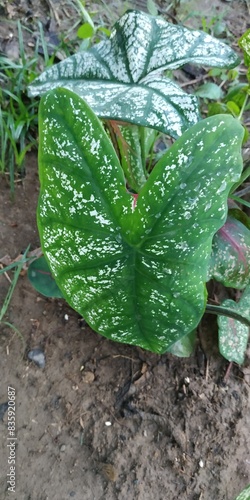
[15,264]
[226,311]
[12,327]
[142,141]
[240,200]
[12,286]
[243,107]
[242,192]
[85,14]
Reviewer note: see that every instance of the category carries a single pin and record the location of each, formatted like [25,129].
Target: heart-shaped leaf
[135,273]
[122,78]
[233,335]
[42,280]
[230,260]
[86,30]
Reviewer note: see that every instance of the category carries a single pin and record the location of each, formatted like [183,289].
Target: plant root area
[108,421]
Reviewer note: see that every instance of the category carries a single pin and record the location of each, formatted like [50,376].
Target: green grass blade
[13,285]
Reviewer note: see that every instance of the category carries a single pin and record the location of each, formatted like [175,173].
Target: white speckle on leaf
[94,147]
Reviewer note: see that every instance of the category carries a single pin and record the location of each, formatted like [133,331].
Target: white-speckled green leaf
[122,78]
[233,335]
[244,43]
[136,273]
[230,260]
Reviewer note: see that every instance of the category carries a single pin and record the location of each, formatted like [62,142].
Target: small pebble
[88,377]
[37,355]
[108,424]
[62,447]
[201,464]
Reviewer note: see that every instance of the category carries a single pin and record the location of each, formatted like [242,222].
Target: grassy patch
[19,113]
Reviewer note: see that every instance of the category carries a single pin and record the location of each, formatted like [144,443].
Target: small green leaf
[217,108]
[41,278]
[135,273]
[85,31]
[237,94]
[233,108]
[104,30]
[219,72]
[233,74]
[245,494]
[230,260]
[209,91]
[184,347]
[233,335]
[122,78]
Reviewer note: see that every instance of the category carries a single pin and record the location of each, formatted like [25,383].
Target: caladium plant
[130,250]
[134,266]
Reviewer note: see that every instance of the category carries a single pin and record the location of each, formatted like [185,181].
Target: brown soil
[107,421]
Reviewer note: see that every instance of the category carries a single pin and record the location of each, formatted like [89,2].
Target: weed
[19,113]
[18,267]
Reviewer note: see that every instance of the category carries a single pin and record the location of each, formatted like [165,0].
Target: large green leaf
[122,78]
[135,273]
[230,260]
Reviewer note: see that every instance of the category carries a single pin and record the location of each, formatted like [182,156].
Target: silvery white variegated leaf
[123,78]
[234,335]
[159,104]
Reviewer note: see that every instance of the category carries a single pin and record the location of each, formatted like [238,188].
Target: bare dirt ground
[105,420]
